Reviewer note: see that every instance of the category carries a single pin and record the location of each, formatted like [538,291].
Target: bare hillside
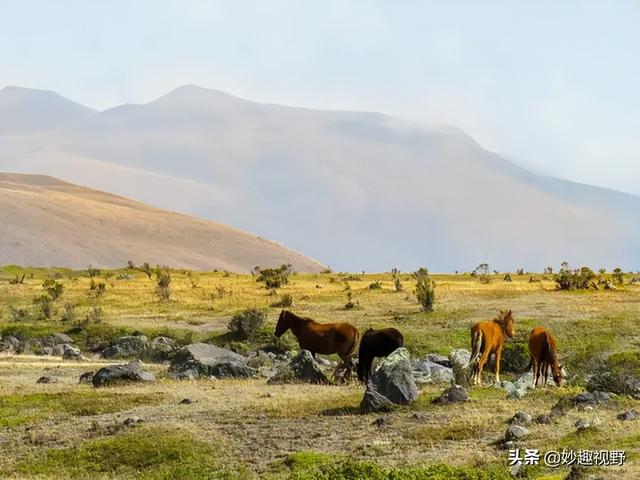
[46,221]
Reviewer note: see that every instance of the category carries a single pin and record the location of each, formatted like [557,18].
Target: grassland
[248,429]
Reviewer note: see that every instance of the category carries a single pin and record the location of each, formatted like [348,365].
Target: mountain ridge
[360,189]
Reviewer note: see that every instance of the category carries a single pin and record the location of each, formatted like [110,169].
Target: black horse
[376,343]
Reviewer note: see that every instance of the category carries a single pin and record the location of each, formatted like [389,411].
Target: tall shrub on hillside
[425,289]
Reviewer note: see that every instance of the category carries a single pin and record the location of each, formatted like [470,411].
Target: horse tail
[355,346]
[476,345]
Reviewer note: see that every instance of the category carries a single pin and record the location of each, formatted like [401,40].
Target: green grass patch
[318,466]
[19,409]
[145,454]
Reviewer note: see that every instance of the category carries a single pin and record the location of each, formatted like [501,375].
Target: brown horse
[376,343]
[542,348]
[487,338]
[323,338]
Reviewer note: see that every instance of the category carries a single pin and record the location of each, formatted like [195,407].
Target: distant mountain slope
[50,222]
[359,190]
[25,110]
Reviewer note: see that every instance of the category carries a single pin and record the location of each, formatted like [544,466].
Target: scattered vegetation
[54,289]
[425,289]
[163,284]
[285,301]
[482,272]
[580,279]
[247,323]
[273,278]
[397,283]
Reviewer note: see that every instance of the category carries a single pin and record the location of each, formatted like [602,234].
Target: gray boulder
[439,359]
[9,344]
[459,360]
[393,378]
[86,377]
[521,418]
[47,379]
[515,432]
[628,415]
[426,372]
[59,338]
[620,383]
[209,360]
[127,346]
[453,394]
[70,352]
[301,368]
[131,372]
[373,401]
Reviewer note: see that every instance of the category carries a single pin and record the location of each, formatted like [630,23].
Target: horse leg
[538,371]
[498,355]
[483,359]
[546,373]
[535,373]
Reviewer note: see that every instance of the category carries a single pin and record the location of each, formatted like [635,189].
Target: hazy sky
[555,85]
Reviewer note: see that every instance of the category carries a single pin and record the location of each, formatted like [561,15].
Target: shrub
[617,277]
[44,304]
[53,288]
[97,288]
[163,284]
[507,277]
[247,323]
[146,268]
[18,314]
[274,277]
[395,274]
[375,285]
[69,313]
[286,300]
[515,357]
[351,304]
[580,279]
[93,272]
[482,272]
[425,289]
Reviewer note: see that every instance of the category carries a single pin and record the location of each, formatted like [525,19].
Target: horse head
[508,323]
[283,324]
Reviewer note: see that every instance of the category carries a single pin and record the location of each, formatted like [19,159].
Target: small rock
[208,360]
[372,401]
[543,419]
[60,338]
[439,359]
[521,418]
[628,415]
[186,401]
[70,352]
[453,394]
[47,379]
[131,372]
[419,417]
[515,432]
[131,421]
[584,423]
[86,377]
[380,422]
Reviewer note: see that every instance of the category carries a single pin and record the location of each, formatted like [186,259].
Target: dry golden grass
[254,427]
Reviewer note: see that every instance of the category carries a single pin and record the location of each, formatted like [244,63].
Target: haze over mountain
[357,190]
[48,222]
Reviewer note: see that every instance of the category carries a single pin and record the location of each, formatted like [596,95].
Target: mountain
[50,222]
[358,190]
[26,110]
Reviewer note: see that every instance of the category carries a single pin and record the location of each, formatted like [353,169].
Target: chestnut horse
[542,348]
[487,338]
[324,338]
[376,343]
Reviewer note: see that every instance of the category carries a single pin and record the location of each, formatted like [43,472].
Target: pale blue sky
[553,84]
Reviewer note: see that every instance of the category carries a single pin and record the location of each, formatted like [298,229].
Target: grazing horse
[324,338]
[487,338]
[376,343]
[542,348]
